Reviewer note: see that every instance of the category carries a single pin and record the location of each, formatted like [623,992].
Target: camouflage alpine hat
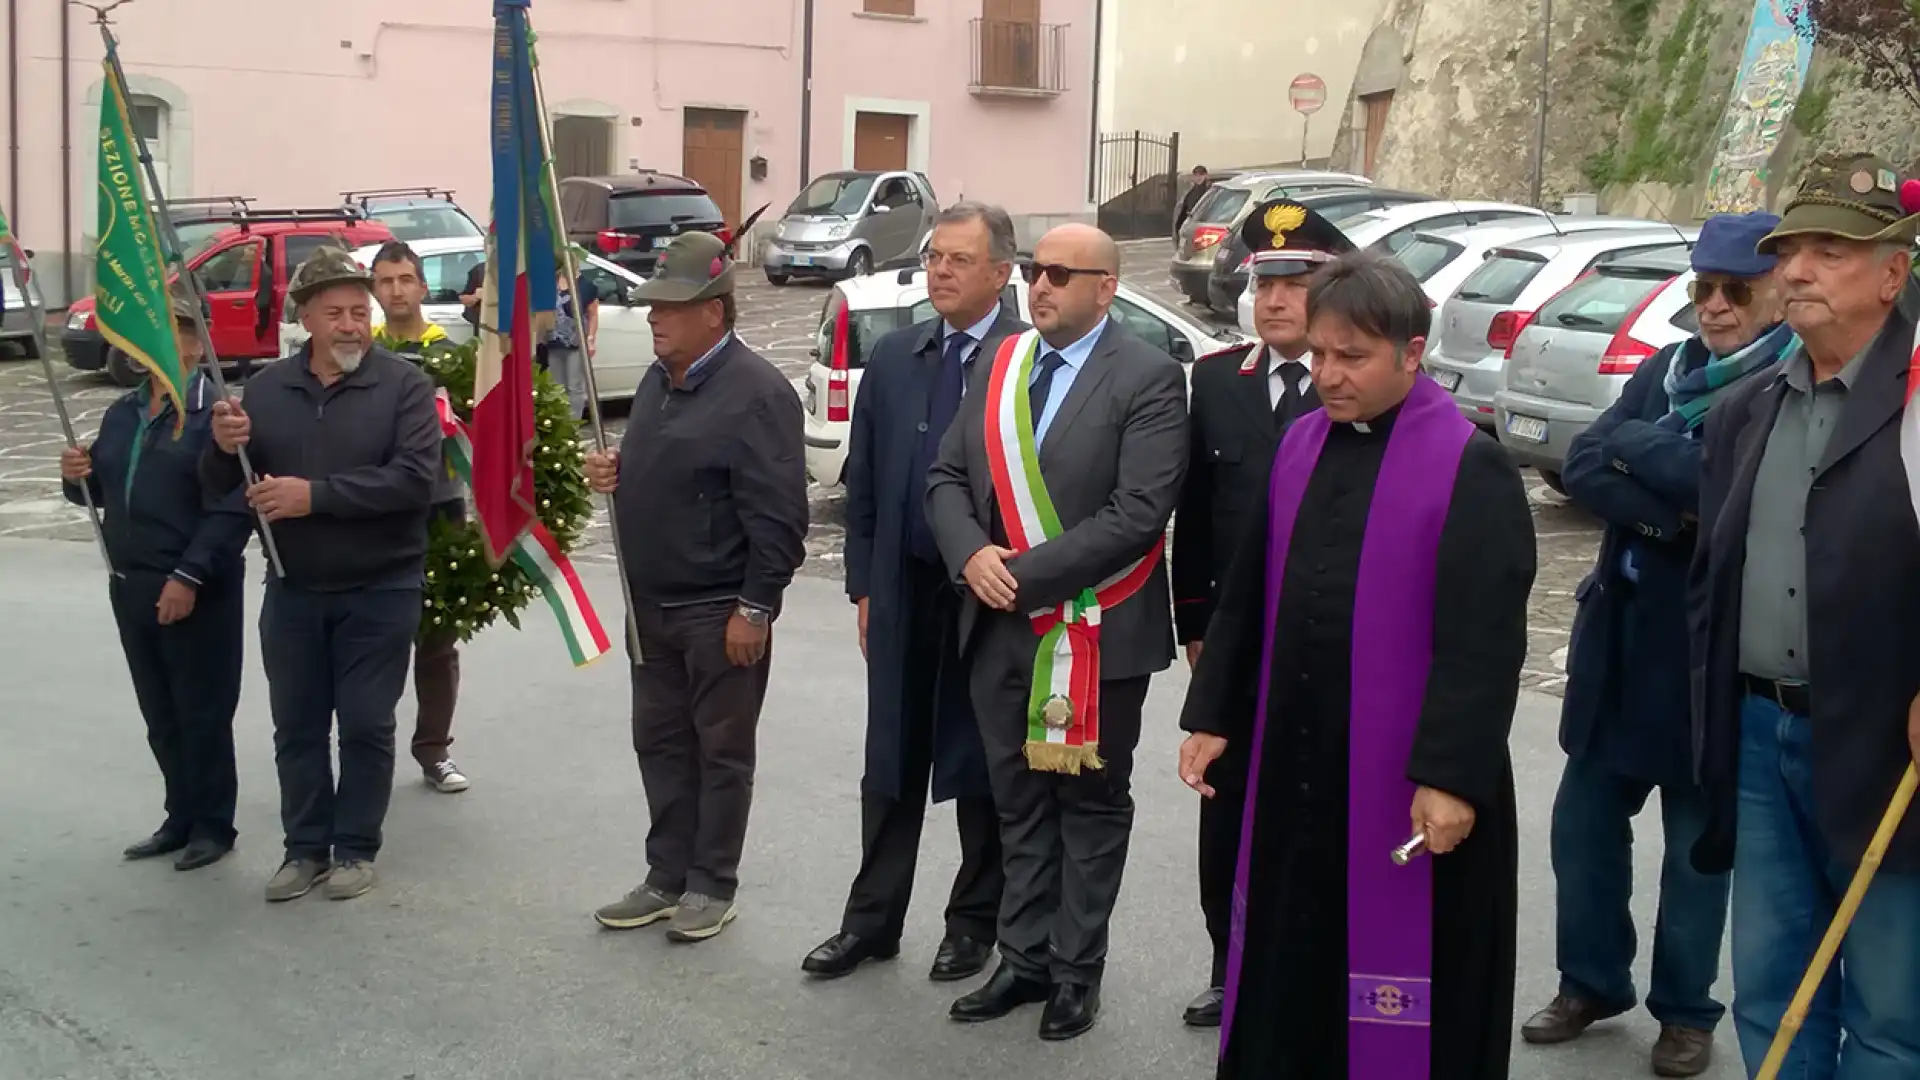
[1852,196]
[327,266]
[694,267]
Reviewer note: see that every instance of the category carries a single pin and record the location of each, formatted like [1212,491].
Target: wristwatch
[752,614]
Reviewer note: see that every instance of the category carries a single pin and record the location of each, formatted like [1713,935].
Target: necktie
[1291,372]
[948,385]
[1043,386]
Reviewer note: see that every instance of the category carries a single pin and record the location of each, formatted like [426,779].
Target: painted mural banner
[1772,72]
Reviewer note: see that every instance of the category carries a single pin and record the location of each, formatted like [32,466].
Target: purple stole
[1389,907]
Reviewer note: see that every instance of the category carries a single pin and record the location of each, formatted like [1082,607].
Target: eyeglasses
[1056,275]
[1738,293]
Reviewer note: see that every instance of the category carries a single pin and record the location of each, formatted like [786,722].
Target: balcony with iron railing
[1018,59]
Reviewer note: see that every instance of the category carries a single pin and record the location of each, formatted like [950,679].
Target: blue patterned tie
[948,386]
[1042,387]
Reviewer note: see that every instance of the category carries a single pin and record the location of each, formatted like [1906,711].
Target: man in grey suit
[1098,442]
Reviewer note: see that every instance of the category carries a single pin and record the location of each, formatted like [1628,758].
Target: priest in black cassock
[1243,400]
[1367,647]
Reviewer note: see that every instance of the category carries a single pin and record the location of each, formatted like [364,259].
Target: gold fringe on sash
[1061,758]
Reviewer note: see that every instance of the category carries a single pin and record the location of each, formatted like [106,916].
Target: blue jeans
[1786,887]
[1593,875]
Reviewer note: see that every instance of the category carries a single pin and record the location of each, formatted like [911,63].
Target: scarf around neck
[1696,378]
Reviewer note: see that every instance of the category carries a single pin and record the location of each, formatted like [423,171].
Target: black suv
[628,219]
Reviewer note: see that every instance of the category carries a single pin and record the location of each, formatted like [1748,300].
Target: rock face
[1648,101]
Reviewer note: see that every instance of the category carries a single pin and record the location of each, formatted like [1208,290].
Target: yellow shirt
[433,333]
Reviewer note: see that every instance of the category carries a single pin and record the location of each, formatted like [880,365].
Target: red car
[243,270]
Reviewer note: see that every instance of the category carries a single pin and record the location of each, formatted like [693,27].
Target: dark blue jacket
[155,516]
[1628,683]
[889,420]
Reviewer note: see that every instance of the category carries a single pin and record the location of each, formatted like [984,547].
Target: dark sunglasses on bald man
[1738,293]
[1057,275]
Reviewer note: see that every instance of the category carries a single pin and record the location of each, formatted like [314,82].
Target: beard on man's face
[347,357]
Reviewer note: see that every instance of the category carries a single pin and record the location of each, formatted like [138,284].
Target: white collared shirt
[1277,384]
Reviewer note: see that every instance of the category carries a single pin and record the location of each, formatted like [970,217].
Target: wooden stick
[1830,945]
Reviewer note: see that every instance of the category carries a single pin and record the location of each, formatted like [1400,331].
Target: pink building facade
[292,104]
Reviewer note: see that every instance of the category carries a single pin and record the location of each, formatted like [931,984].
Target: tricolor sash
[537,553]
[1063,707]
[1389,908]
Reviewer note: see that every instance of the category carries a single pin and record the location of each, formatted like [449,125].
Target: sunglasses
[1056,275]
[1738,293]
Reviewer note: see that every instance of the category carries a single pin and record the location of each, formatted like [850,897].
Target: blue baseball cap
[1729,244]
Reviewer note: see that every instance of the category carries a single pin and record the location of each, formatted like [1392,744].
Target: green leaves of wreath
[463,593]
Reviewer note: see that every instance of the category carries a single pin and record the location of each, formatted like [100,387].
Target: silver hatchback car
[847,223]
[1475,328]
[1570,362]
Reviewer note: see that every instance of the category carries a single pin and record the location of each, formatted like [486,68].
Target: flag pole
[170,241]
[586,342]
[19,265]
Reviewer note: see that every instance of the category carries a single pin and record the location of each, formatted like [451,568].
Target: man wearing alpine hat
[1242,402]
[346,447]
[710,490]
[1806,598]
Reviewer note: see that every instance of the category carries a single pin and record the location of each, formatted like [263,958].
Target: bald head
[1074,274]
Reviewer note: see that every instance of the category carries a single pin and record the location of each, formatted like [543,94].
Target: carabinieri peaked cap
[1287,238]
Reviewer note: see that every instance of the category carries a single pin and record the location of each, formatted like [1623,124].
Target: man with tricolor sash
[1367,648]
[1049,502]
[347,444]
[1805,591]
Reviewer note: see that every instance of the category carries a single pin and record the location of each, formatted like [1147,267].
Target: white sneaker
[446,778]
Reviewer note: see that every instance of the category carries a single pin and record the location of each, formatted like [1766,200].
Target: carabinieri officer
[177,597]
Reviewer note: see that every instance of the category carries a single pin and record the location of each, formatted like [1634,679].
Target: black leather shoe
[202,853]
[1204,1011]
[1069,1012]
[1003,993]
[960,957]
[841,953]
[160,843]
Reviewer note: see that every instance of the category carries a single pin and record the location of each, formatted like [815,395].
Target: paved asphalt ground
[475,959]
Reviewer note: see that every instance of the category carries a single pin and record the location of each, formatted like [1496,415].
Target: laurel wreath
[462,593]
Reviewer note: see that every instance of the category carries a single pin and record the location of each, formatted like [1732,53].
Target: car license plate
[1448,380]
[803,260]
[661,242]
[1530,428]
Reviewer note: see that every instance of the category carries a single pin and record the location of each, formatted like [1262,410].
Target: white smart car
[861,310]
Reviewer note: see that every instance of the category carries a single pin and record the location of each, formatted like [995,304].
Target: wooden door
[1010,43]
[711,154]
[880,140]
[1377,106]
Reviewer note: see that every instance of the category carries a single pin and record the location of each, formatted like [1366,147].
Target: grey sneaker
[700,917]
[351,878]
[446,777]
[295,879]
[643,906]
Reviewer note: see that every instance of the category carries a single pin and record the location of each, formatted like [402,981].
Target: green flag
[130,274]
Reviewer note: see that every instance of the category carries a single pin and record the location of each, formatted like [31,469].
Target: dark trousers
[695,719]
[1592,848]
[186,678]
[436,689]
[1220,822]
[890,827]
[1063,838]
[335,655]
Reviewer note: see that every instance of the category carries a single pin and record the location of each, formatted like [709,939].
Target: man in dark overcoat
[919,718]
[1806,617]
[1624,725]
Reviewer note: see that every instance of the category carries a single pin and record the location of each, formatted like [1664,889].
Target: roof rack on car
[238,202]
[248,217]
[364,194]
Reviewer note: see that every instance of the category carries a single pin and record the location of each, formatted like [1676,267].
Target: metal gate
[1137,183]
